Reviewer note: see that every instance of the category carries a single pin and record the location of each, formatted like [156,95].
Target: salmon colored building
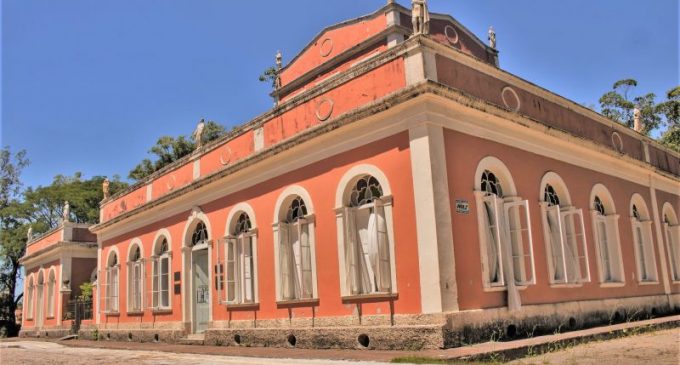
[405,192]
[55,266]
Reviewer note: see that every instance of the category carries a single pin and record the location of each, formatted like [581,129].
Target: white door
[201,291]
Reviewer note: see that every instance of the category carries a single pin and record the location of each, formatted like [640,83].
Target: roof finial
[105,187]
[492,38]
[66,214]
[638,125]
[420,17]
[198,133]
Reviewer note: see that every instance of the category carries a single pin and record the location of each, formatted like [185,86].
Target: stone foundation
[51,333]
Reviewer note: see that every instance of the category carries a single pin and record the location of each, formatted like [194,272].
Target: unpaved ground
[49,353]
[654,348]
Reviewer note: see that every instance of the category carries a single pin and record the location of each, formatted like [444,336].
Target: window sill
[49,317]
[566,285]
[492,289]
[612,284]
[161,310]
[378,297]
[648,283]
[313,302]
[112,314]
[135,313]
[243,306]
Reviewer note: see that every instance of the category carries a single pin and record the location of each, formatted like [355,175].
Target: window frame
[51,290]
[31,299]
[236,241]
[112,296]
[156,302]
[343,198]
[132,266]
[582,259]
[611,220]
[643,242]
[672,234]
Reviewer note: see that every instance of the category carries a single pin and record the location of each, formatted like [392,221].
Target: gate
[77,310]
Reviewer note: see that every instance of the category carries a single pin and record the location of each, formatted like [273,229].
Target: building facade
[405,192]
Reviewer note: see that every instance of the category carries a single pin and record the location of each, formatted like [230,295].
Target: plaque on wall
[178,289]
[178,276]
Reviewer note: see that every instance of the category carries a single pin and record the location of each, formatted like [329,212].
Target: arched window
[30,290]
[51,284]
[564,233]
[506,243]
[200,234]
[240,260]
[135,279]
[112,275]
[642,236]
[160,281]
[672,233]
[295,231]
[606,235]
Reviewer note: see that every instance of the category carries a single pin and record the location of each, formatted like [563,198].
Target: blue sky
[90,85]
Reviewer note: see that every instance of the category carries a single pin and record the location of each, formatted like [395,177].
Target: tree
[618,106]
[44,204]
[170,149]
[270,75]
[13,233]
[671,111]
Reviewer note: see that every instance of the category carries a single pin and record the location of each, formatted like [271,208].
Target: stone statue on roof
[198,134]
[105,188]
[492,38]
[66,215]
[29,234]
[279,67]
[420,17]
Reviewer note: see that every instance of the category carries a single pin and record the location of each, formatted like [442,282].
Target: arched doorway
[198,242]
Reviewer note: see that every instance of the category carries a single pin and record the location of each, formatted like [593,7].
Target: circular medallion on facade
[171,183]
[324,109]
[326,47]
[225,155]
[451,34]
[617,142]
[510,99]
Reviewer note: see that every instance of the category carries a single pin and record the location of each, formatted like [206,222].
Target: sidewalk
[506,350]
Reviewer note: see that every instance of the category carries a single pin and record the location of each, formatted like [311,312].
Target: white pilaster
[438,287]
[659,237]
[258,138]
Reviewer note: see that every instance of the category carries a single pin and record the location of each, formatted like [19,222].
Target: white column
[438,288]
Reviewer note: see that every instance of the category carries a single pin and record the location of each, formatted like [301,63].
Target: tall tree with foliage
[671,110]
[13,234]
[618,105]
[170,149]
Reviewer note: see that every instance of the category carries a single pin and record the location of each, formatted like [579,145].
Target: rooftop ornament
[279,67]
[105,188]
[492,38]
[66,214]
[420,17]
[198,134]
[29,234]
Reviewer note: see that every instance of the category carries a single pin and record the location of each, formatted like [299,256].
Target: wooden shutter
[518,224]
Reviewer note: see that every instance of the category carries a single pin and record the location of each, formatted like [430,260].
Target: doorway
[200,291]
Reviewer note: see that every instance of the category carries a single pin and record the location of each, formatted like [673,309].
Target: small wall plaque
[177,276]
[178,289]
[462,206]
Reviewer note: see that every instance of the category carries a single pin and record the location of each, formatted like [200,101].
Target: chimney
[637,120]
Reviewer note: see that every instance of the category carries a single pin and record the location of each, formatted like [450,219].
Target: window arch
[506,244]
[366,247]
[671,229]
[642,237]
[161,264]
[135,274]
[294,248]
[112,283]
[240,257]
[564,233]
[606,235]
[30,290]
[51,287]
[200,234]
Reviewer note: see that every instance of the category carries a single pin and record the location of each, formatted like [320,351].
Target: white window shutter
[248,270]
[492,229]
[382,259]
[576,247]
[286,263]
[155,289]
[518,223]
[554,219]
[351,252]
[232,270]
[307,283]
